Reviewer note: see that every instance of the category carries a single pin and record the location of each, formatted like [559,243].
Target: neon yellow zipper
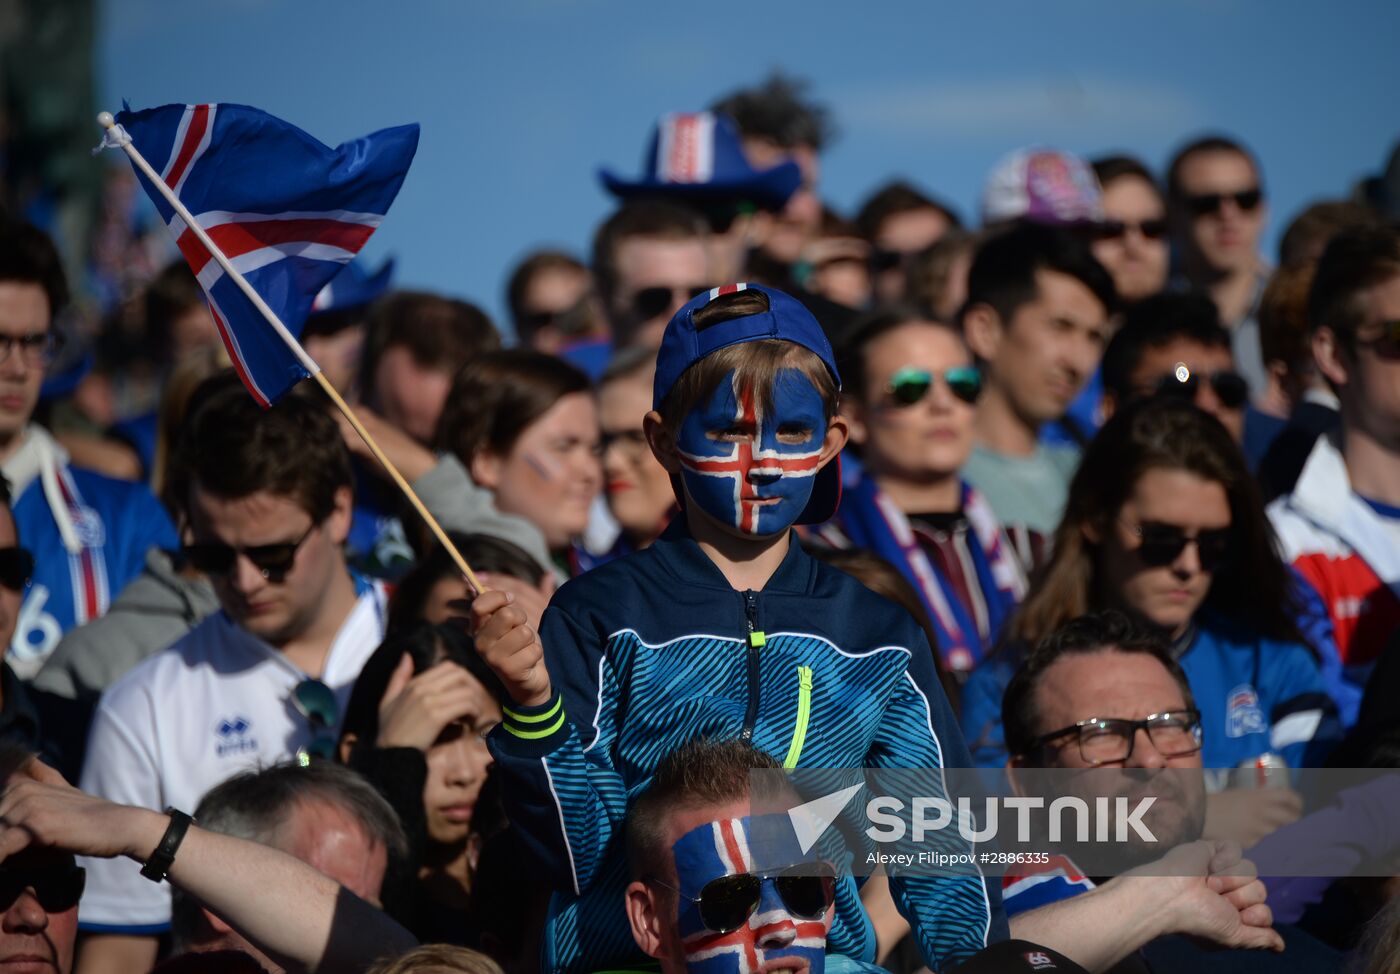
[804,713]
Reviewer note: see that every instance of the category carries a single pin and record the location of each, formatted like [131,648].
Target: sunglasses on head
[1230,387]
[651,302]
[16,568]
[57,888]
[1202,204]
[1117,229]
[1162,544]
[909,385]
[273,560]
[725,904]
[316,702]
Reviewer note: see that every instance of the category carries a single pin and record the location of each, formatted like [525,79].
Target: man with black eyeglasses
[1104,693]
[1217,209]
[267,502]
[90,533]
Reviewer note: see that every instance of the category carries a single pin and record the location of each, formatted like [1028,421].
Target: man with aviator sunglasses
[1174,345]
[1217,210]
[267,497]
[717,886]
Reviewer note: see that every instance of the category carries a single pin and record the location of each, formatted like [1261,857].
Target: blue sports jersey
[655,649]
[115,523]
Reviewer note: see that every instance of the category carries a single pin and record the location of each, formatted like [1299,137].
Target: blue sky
[521,101]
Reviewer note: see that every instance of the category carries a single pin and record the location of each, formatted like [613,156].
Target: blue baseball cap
[786,319]
[699,157]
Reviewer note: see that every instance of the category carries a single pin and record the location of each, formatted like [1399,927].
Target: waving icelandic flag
[287,211]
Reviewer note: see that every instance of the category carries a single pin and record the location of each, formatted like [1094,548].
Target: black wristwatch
[158,864]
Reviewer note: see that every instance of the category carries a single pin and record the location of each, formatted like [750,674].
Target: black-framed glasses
[1117,229]
[649,302]
[316,702]
[910,385]
[16,568]
[35,349]
[273,560]
[1108,740]
[1230,387]
[1202,204]
[57,888]
[1161,544]
[726,903]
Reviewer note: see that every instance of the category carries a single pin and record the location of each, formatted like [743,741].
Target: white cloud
[1013,106]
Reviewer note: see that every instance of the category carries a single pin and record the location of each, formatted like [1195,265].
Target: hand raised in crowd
[1246,815]
[511,647]
[40,809]
[411,457]
[1216,894]
[415,709]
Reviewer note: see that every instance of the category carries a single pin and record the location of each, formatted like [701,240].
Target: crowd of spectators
[1082,480]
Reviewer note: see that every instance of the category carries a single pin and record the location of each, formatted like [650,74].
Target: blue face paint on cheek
[752,470]
[768,930]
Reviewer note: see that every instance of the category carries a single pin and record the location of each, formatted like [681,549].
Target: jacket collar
[683,557]
[1323,487]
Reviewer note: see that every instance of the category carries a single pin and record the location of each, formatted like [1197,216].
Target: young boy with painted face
[722,628]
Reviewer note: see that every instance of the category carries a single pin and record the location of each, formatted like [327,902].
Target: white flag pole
[117,136]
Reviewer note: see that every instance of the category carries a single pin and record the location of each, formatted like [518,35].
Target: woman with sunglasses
[909,394]
[416,727]
[1165,523]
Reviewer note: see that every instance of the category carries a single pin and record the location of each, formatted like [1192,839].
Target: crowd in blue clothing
[834,487]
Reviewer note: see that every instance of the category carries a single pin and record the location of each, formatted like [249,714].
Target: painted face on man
[752,470]
[788,917]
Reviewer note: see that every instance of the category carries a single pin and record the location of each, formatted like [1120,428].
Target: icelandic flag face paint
[750,470]
[732,847]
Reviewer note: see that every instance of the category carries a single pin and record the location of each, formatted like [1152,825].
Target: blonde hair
[438,959]
[1379,952]
[755,366]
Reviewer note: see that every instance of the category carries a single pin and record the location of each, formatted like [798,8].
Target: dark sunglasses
[725,904]
[531,322]
[1386,341]
[57,888]
[16,568]
[316,702]
[909,385]
[1203,204]
[888,260]
[1162,544]
[650,302]
[273,560]
[1230,387]
[1114,229]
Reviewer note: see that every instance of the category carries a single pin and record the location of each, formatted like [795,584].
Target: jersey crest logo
[1242,714]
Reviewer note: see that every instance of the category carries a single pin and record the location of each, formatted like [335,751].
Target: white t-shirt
[215,703]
